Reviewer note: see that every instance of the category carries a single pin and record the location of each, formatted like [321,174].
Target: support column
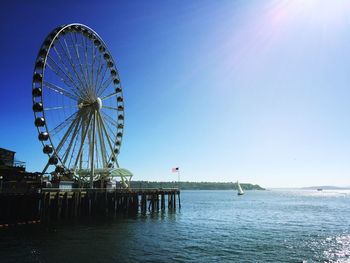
[93,152]
[162,202]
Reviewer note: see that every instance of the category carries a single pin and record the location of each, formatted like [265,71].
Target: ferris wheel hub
[98,104]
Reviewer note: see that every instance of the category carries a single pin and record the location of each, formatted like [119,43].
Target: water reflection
[269,226]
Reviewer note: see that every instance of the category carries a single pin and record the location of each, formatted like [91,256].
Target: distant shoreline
[195,185]
[325,187]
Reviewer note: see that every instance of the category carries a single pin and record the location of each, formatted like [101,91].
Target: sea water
[211,226]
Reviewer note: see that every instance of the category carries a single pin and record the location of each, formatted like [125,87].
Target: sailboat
[240,190]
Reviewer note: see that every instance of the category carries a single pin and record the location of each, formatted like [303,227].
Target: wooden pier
[57,204]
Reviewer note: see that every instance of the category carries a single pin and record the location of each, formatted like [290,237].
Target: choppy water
[212,226]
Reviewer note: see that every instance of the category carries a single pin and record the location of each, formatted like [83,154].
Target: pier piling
[57,204]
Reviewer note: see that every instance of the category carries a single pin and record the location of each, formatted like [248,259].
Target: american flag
[176,169]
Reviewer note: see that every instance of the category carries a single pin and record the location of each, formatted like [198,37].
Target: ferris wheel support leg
[45,169]
[93,152]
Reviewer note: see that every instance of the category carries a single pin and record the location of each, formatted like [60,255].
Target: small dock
[59,204]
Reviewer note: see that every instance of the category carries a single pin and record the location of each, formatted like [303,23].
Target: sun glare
[317,12]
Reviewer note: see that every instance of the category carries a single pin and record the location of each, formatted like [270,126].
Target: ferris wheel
[78,104]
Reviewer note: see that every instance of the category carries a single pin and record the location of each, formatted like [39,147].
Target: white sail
[240,190]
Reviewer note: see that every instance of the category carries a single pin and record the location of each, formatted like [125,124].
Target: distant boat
[319,189]
[240,190]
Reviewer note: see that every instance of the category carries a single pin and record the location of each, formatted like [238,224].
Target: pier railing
[121,190]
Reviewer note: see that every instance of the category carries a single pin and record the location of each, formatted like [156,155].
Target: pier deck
[57,204]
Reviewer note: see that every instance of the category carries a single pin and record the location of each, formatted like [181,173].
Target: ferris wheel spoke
[107,137]
[77,55]
[99,69]
[72,154]
[72,139]
[109,96]
[107,125]
[94,77]
[110,108]
[110,129]
[83,140]
[102,144]
[65,77]
[59,90]
[66,70]
[92,149]
[110,123]
[68,56]
[63,124]
[97,159]
[66,135]
[111,136]
[105,85]
[93,57]
[98,82]
[60,107]
[110,120]
[83,85]
[86,59]
[61,60]
[89,141]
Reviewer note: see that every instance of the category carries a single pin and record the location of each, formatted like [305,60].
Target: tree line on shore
[195,185]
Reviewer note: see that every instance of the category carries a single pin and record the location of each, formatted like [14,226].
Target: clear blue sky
[256,91]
